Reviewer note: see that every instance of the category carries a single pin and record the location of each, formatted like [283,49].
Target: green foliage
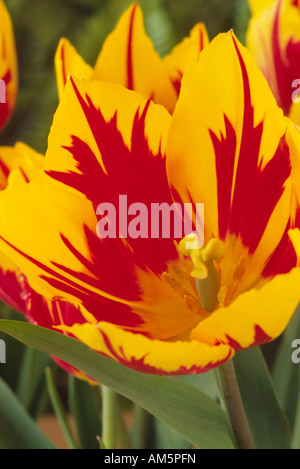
[191,413]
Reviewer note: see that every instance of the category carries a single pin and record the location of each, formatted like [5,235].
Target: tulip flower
[128,58]
[274,41]
[8,67]
[162,304]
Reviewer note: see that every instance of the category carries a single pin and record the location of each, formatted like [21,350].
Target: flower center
[205,273]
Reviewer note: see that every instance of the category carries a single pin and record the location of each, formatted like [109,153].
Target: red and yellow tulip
[140,297]
[274,40]
[8,67]
[128,58]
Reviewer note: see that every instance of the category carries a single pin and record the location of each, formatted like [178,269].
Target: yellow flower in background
[273,38]
[128,58]
[151,303]
[8,67]
[16,163]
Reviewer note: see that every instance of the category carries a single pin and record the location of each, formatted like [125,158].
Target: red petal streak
[225,156]
[62,56]
[286,62]
[130,84]
[260,337]
[283,259]
[5,108]
[177,82]
[11,291]
[257,190]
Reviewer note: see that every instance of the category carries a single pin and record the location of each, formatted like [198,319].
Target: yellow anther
[192,304]
[171,280]
[190,244]
[174,283]
[240,269]
[214,250]
[222,296]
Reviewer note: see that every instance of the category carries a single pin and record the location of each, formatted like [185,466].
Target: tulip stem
[109,417]
[234,405]
[59,409]
[140,427]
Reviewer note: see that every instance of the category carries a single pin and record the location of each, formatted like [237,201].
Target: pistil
[205,272]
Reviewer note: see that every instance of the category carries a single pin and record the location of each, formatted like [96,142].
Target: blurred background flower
[8,66]
[39,26]
[273,38]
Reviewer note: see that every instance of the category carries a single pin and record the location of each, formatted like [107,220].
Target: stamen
[192,304]
[205,272]
[171,280]
[222,296]
[240,269]
[175,284]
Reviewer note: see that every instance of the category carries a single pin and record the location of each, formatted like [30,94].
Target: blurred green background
[39,24]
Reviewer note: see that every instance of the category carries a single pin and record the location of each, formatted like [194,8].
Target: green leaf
[84,408]
[59,409]
[267,421]
[285,373]
[196,417]
[17,429]
[205,382]
[167,438]
[142,431]
[296,428]
[31,389]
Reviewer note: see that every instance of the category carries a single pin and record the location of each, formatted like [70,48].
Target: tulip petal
[274,41]
[18,162]
[257,6]
[186,54]
[10,286]
[68,61]
[128,58]
[151,356]
[233,155]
